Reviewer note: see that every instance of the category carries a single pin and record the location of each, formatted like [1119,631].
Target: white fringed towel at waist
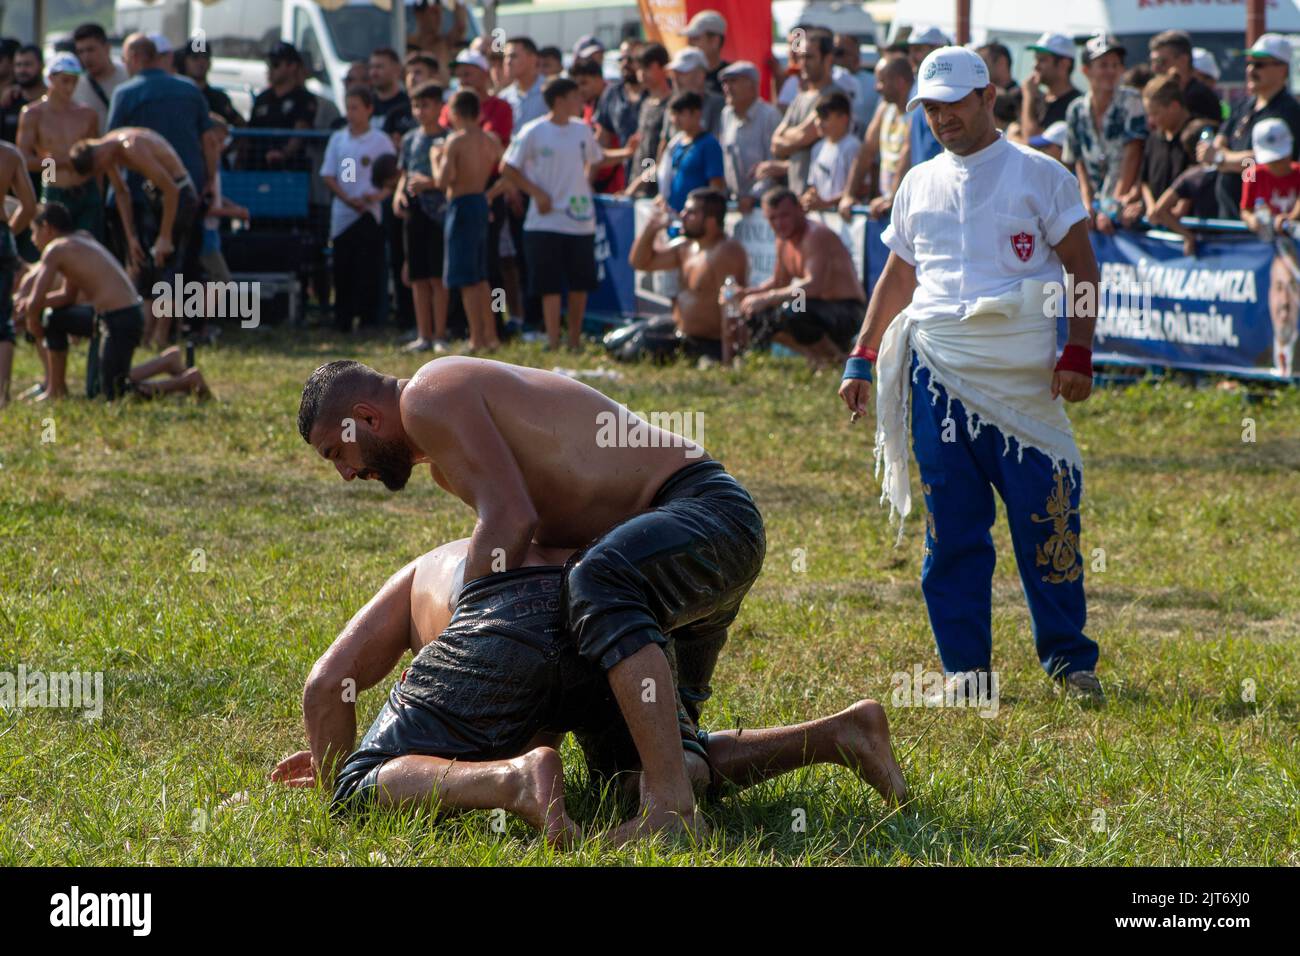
[997,360]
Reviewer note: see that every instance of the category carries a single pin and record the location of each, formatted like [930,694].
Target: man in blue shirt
[176,110]
[695,156]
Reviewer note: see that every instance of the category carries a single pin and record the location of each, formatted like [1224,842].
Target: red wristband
[861,351]
[1075,358]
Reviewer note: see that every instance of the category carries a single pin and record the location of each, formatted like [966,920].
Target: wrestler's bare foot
[48,396]
[862,738]
[540,799]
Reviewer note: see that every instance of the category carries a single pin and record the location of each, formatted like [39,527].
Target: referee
[962,330]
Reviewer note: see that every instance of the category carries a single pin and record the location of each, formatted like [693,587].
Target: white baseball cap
[160,43]
[947,74]
[1271,140]
[1203,61]
[468,57]
[1271,45]
[687,59]
[1057,44]
[706,21]
[63,63]
[927,36]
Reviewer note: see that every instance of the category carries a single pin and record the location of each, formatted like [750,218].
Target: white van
[240,32]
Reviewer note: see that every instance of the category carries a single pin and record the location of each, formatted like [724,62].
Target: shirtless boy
[814,302]
[671,542]
[463,167]
[89,270]
[47,130]
[477,717]
[165,220]
[13,179]
[706,257]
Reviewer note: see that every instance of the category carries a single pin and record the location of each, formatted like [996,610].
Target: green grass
[203,670]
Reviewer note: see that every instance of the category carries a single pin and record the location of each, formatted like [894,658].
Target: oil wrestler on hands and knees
[476,718]
[670,543]
[963,321]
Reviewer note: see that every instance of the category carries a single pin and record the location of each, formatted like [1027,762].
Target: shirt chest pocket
[1020,245]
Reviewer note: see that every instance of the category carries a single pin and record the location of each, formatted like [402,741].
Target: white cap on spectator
[1271,140]
[1054,135]
[928,36]
[947,74]
[1057,44]
[740,68]
[688,59]
[1203,61]
[590,50]
[468,57]
[1272,45]
[706,21]
[160,43]
[63,63]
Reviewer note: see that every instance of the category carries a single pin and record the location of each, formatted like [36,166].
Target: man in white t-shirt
[356,212]
[964,317]
[550,160]
[832,155]
[102,73]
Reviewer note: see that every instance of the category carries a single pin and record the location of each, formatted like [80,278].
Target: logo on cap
[936,67]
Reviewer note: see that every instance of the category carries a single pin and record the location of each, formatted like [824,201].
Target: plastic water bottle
[1110,206]
[730,294]
[1264,216]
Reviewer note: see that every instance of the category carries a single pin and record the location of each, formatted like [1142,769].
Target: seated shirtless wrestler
[475,718]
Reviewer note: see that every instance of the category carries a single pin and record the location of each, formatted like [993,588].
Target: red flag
[749,30]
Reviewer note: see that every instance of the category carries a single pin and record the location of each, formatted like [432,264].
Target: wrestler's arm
[363,654]
[645,257]
[46,271]
[892,294]
[21,185]
[144,163]
[447,418]
[1075,252]
[25,140]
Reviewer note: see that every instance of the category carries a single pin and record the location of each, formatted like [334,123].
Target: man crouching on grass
[476,720]
[671,542]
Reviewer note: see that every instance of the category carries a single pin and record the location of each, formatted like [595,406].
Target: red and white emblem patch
[1023,243]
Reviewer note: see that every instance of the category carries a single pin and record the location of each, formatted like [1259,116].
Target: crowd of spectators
[1149,142]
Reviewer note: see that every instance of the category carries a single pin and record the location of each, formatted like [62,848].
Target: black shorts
[423,240]
[76,320]
[120,332]
[674,573]
[559,262]
[8,273]
[503,671]
[839,320]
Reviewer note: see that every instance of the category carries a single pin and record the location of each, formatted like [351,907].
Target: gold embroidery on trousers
[929,520]
[1061,550]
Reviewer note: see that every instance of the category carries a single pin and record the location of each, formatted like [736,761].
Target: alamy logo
[103,909]
[69,690]
[212,300]
[627,429]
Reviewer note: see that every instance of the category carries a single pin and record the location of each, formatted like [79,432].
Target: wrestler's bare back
[139,146]
[557,430]
[439,577]
[91,269]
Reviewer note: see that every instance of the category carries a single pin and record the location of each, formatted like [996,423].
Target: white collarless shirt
[980,225]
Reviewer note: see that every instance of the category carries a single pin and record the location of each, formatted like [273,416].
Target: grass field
[1197,605]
